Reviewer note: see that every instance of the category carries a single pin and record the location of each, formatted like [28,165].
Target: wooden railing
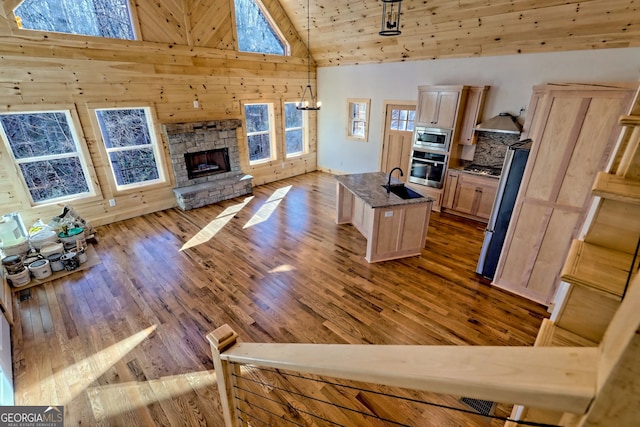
[574,380]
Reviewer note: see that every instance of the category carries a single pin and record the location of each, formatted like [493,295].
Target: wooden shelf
[616,187]
[597,267]
[92,260]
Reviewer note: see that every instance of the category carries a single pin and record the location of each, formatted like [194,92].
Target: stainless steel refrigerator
[512,171]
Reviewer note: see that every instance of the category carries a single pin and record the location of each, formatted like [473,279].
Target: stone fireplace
[206,162]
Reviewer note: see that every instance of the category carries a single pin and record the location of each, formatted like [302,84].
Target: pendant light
[390,18]
[311,105]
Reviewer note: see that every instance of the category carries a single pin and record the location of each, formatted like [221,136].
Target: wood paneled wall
[172,67]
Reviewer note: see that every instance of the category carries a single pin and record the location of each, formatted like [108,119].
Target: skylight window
[101,18]
[256,31]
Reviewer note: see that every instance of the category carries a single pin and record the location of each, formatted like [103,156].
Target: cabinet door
[472,114]
[446,109]
[467,196]
[487,197]
[450,189]
[427,106]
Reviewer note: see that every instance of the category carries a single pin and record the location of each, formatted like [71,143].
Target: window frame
[80,143]
[156,145]
[133,18]
[273,145]
[304,128]
[351,102]
[274,26]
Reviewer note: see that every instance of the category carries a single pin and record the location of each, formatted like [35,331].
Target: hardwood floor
[123,343]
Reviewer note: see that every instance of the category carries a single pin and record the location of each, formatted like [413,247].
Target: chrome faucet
[388,186]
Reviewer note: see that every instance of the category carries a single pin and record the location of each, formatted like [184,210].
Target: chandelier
[390,18]
[311,104]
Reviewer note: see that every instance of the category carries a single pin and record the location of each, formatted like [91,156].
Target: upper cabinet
[438,105]
[472,114]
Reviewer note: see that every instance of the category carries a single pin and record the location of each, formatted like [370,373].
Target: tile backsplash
[491,148]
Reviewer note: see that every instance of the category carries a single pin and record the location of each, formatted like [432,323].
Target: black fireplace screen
[208,162]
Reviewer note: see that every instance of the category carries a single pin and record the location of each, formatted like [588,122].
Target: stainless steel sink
[403,192]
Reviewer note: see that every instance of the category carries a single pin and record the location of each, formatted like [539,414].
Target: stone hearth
[194,137]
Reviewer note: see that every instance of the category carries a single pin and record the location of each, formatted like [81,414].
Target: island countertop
[369,188]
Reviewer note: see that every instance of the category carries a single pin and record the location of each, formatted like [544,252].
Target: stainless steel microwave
[432,138]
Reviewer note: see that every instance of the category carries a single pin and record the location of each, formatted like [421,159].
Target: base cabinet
[470,195]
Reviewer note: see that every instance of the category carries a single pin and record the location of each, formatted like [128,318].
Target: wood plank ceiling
[346,32]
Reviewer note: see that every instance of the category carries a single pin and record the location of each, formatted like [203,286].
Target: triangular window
[256,31]
[101,18]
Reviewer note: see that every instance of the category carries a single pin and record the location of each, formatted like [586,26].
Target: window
[295,134]
[260,136]
[47,152]
[256,31]
[358,122]
[102,18]
[131,146]
[403,119]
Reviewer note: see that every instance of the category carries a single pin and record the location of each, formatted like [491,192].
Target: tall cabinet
[574,129]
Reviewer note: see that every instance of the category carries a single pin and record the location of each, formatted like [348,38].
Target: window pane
[293,116]
[259,147]
[294,141]
[257,117]
[102,18]
[52,179]
[395,125]
[124,128]
[39,134]
[133,166]
[403,114]
[395,114]
[255,33]
[357,129]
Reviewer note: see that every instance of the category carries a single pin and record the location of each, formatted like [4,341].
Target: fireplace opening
[208,162]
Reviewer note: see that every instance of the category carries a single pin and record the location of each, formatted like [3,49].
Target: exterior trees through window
[46,149]
[131,146]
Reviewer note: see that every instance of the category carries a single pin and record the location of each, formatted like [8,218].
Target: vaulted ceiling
[346,32]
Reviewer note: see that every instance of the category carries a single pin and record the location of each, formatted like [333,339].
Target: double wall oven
[429,156]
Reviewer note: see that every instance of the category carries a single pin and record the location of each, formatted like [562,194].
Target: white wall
[510,77]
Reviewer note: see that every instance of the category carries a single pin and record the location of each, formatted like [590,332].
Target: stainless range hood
[502,123]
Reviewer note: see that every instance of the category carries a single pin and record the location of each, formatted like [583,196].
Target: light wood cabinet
[574,130]
[470,195]
[472,114]
[438,106]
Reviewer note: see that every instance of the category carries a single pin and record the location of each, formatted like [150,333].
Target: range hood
[502,123]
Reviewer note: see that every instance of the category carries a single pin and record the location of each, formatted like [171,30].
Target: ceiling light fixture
[303,104]
[390,18]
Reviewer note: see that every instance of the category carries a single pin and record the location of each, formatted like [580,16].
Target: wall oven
[427,168]
[434,139]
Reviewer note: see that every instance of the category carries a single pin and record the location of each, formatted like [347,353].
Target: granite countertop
[368,187]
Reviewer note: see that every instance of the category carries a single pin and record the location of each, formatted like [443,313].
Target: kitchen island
[395,227]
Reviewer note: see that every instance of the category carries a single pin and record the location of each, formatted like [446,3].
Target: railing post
[221,339]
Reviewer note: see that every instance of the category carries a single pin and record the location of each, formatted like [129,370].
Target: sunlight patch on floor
[269,207]
[60,387]
[211,229]
[282,268]
[115,399]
